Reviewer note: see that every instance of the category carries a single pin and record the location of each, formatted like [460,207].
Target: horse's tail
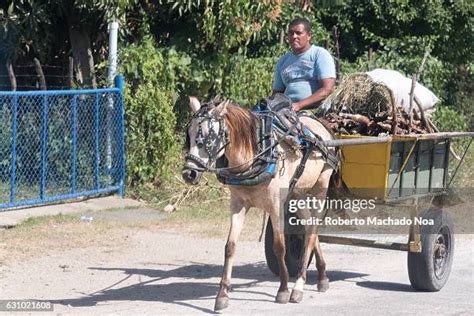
[336,181]
[337,186]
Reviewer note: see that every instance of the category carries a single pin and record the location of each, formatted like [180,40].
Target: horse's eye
[199,145]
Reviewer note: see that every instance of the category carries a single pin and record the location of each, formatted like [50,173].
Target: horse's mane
[243,128]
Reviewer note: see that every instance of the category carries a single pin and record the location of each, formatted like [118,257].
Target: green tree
[30,28]
[399,31]
[151,89]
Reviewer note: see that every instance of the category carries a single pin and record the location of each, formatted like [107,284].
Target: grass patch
[38,236]
[201,212]
[48,220]
[213,220]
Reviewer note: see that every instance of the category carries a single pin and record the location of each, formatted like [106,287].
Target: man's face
[299,38]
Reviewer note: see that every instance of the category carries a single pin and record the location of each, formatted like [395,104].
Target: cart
[404,169]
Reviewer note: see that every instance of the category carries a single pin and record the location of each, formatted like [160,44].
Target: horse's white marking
[299,284]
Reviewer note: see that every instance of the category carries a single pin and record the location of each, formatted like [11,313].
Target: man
[307,75]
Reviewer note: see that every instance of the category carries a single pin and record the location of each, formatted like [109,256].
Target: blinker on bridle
[212,143]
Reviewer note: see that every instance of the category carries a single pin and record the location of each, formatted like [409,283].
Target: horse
[224,128]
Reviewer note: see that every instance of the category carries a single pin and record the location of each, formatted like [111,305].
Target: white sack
[401,86]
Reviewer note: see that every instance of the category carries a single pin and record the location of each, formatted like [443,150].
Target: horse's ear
[194,104]
[221,109]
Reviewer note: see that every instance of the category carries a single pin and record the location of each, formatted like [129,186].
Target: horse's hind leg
[283,295]
[297,292]
[236,225]
[323,281]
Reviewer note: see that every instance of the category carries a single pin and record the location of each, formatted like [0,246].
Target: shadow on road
[386,286]
[180,292]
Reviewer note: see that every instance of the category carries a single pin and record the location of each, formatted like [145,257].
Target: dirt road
[170,272]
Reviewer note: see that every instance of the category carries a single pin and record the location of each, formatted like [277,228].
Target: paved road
[167,272]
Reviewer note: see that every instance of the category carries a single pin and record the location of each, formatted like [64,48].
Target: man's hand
[297,106]
[326,88]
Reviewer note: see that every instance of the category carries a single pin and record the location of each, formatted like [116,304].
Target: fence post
[97,157]
[44,140]
[113,35]
[74,144]
[119,85]
[13,150]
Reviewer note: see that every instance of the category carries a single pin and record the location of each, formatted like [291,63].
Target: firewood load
[360,106]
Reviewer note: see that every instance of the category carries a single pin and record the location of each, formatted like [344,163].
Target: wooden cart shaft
[388,139]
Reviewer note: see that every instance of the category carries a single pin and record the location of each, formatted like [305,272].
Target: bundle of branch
[379,125]
[361,106]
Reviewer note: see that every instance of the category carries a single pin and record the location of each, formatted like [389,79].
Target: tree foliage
[151,86]
[175,48]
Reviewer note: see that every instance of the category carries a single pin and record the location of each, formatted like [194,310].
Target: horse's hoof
[323,285]
[282,297]
[296,296]
[221,303]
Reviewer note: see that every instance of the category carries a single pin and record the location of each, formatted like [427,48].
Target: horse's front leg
[283,295]
[236,224]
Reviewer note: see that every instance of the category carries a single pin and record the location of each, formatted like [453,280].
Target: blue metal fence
[58,145]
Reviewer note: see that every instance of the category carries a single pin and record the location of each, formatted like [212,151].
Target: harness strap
[332,159]
[299,170]
[311,142]
[264,163]
[201,164]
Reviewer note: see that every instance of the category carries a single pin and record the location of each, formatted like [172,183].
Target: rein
[207,168]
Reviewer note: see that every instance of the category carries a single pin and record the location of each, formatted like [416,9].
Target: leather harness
[277,122]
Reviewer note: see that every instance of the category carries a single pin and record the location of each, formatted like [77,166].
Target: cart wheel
[294,251]
[429,270]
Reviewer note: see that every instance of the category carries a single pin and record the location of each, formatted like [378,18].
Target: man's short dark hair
[305,22]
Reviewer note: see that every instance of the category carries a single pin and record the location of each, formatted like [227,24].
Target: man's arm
[278,85]
[326,88]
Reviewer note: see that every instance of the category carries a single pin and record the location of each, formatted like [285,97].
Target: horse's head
[206,138]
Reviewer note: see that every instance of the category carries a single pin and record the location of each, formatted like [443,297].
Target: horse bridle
[213,142]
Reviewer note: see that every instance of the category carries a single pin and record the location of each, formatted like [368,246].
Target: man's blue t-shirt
[299,75]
